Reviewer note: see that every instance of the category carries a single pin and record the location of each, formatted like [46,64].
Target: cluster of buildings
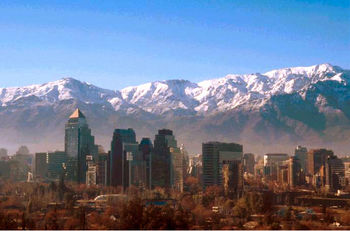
[163,163]
[144,165]
[224,164]
[318,168]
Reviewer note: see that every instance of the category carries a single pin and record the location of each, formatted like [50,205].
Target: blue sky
[114,44]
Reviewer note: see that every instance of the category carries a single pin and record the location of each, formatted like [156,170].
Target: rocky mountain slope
[273,111]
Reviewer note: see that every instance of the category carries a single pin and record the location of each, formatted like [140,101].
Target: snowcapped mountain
[288,104]
[52,92]
[210,96]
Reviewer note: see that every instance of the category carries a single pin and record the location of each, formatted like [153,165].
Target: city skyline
[231,183]
[175,115]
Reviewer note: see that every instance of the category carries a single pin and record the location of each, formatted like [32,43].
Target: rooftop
[77,114]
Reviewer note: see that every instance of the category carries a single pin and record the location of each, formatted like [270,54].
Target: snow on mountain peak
[159,97]
[51,92]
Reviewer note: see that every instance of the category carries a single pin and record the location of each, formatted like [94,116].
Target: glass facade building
[79,142]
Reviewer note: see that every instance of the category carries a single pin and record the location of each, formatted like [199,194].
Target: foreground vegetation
[58,206]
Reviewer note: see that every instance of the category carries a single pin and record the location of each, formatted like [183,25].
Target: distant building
[195,167]
[259,167]
[20,164]
[134,166]
[301,153]
[122,142]
[71,169]
[176,168]
[316,166]
[146,148]
[79,143]
[127,157]
[103,166]
[335,173]
[40,165]
[222,160]
[346,161]
[55,164]
[249,163]
[162,158]
[295,176]
[186,160]
[317,158]
[3,154]
[283,173]
[91,172]
[272,162]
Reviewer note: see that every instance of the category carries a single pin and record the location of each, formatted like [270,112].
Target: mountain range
[269,112]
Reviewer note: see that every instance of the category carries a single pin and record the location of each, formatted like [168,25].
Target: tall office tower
[161,160]
[335,173]
[301,153]
[272,161]
[249,163]
[79,143]
[55,164]
[40,165]
[176,168]
[146,148]
[316,165]
[103,169]
[294,172]
[119,163]
[214,156]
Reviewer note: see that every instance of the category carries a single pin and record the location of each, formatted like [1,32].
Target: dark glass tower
[214,156]
[118,163]
[146,149]
[78,144]
[161,160]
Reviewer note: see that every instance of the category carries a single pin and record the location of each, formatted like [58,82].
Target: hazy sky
[114,44]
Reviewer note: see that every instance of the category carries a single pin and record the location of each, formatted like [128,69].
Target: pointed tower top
[77,114]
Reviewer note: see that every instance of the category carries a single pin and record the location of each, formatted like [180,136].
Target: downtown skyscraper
[79,143]
[123,141]
[222,165]
[167,161]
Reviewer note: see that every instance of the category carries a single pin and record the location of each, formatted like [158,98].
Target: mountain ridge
[279,108]
[179,93]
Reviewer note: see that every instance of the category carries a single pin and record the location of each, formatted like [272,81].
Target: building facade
[272,164]
[162,158]
[40,165]
[249,163]
[146,148]
[55,164]
[215,156]
[316,166]
[335,174]
[79,143]
[122,141]
[103,169]
[300,152]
